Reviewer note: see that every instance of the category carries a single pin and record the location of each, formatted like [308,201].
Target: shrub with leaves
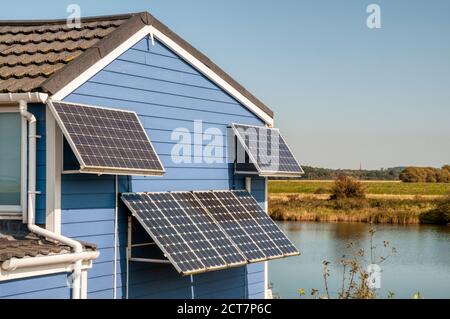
[346,187]
[440,215]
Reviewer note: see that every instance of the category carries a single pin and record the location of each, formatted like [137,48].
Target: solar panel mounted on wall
[267,151]
[107,141]
[231,226]
[249,224]
[266,223]
[205,223]
[205,231]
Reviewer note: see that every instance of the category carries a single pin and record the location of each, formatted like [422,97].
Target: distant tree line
[425,174]
[410,174]
[328,173]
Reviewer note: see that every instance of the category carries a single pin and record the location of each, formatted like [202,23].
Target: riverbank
[391,210]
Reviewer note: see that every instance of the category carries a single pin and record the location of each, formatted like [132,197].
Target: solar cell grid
[231,226]
[249,223]
[218,239]
[266,223]
[107,139]
[202,231]
[199,244]
[267,150]
[163,232]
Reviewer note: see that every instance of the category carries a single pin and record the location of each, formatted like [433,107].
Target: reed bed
[368,210]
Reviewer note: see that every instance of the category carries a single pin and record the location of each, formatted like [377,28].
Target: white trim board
[54,142]
[185,55]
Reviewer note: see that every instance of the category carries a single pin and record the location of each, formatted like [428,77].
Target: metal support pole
[128,253]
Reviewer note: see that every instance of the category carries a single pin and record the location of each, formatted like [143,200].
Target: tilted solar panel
[231,226]
[266,223]
[203,231]
[107,141]
[206,224]
[249,224]
[201,248]
[163,232]
[267,150]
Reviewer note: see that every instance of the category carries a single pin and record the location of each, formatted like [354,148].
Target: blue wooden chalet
[131,166]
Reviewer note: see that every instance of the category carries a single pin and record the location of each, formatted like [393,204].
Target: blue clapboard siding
[38,111]
[49,286]
[87,214]
[168,95]
[255,272]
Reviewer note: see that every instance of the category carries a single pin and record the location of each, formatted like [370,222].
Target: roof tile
[17,242]
[30,54]
[40,58]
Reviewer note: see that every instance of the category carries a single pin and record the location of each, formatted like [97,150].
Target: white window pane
[10,158]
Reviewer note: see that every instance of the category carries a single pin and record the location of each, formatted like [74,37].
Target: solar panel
[266,223]
[201,249]
[267,150]
[107,140]
[249,223]
[211,230]
[163,233]
[231,226]
[203,231]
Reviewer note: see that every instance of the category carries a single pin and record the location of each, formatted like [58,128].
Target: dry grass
[369,196]
[372,187]
[370,210]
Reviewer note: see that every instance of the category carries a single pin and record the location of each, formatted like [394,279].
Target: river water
[422,261]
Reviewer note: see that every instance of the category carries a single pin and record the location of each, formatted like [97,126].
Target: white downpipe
[75,245]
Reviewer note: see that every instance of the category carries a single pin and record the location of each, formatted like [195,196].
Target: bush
[346,187]
[434,217]
[440,215]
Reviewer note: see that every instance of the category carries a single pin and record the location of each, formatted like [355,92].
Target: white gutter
[30,97]
[18,263]
[78,256]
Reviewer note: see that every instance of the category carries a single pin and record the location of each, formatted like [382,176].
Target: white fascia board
[151,30]
[54,142]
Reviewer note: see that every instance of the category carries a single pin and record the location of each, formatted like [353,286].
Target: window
[11,162]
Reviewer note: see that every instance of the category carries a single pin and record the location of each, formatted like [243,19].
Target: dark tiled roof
[17,242]
[45,56]
[31,52]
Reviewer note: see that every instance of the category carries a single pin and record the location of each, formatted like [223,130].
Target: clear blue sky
[342,93]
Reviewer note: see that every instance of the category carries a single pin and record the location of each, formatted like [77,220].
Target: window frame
[18,211]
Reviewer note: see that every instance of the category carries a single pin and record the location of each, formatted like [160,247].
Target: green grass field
[373,187]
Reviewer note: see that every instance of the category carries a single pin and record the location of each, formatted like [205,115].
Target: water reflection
[422,262]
